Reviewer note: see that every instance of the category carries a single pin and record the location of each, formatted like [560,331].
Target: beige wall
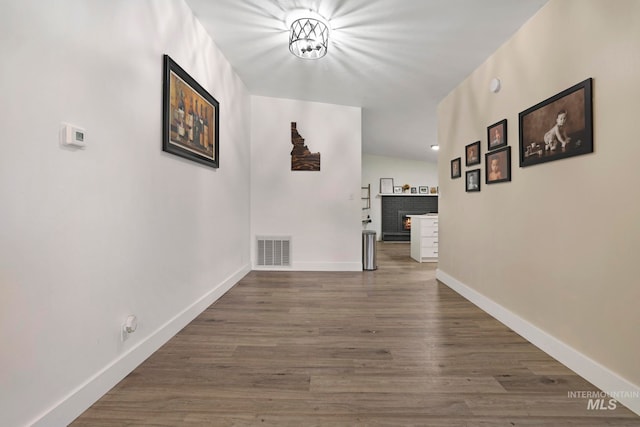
[558,245]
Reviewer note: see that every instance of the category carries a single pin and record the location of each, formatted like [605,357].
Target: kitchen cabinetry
[424,238]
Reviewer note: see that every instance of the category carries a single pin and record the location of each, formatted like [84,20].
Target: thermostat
[73,135]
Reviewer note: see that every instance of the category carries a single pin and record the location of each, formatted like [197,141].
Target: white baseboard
[80,399]
[592,371]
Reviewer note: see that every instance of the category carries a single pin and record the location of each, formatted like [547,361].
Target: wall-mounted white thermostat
[73,135]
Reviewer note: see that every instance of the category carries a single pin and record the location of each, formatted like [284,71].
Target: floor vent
[274,251]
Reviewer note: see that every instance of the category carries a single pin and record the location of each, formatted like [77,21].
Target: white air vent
[274,251]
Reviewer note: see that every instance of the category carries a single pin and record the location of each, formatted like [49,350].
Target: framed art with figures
[456,165]
[558,127]
[498,166]
[472,154]
[190,117]
[497,135]
[472,181]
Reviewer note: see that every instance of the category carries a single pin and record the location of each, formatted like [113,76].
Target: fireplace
[396,209]
[404,220]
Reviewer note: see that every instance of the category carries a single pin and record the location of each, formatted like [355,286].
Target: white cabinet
[424,238]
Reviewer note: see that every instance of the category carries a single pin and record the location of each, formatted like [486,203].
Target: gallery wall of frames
[557,128]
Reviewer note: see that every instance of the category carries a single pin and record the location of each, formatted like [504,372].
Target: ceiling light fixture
[435,147]
[308,35]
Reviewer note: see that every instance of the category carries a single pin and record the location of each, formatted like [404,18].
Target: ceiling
[397,59]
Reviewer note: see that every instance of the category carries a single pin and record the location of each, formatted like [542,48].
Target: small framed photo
[472,154]
[498,166]
[414,190]
[423,190]
[456,168]
[497,135]
[386,185]
[190,117]
[397,189]
[472,182]
[558,127]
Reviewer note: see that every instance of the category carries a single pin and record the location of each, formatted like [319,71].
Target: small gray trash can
[369,261]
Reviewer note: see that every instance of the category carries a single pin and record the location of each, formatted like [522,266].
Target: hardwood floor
[391,347]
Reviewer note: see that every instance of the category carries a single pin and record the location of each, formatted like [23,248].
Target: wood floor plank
[391,347]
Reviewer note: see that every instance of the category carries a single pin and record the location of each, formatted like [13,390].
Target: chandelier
[309,36]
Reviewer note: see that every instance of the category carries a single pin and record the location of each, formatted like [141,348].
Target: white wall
[403,171]
[319,210]
[90,236]
[556,247]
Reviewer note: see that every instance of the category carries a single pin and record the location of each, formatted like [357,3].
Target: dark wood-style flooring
[391,347]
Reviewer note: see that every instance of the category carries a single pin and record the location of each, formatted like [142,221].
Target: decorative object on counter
[414,190]
[472,181]
[423,190]
[405,188]
[190,117]
[301,158]
[456,168]
[472,154]
[497,135]
[498,166]
[434,190]
[397,189]
[386,185]
[558,127]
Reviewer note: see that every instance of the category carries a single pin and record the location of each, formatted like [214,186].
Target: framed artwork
[414,190]
[397,189]
[472,154]
[423,190]
[386,185]
[190,117]
[472,182]
[497,135]
[498,166]
[558,127]
[456,168]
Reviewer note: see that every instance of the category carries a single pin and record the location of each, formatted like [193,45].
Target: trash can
[369,261]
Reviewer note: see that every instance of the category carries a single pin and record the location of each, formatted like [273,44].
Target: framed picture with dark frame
[386,185]
[497,135]
[497,166]
[472,181]
[456,168]
[190,117]
[472,154]
[558,127]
